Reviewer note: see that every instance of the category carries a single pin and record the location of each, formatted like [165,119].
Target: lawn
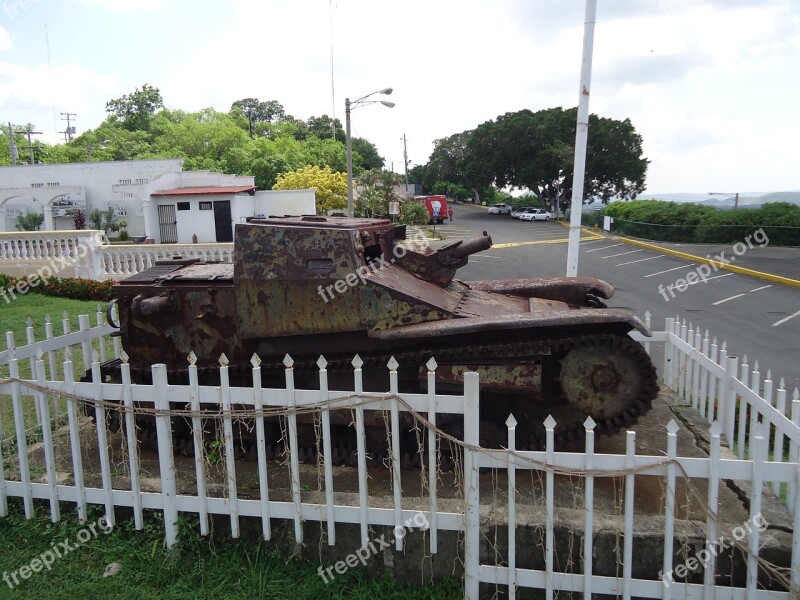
[196,567]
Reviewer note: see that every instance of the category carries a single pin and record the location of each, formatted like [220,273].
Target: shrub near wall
[76,289]
[693,223]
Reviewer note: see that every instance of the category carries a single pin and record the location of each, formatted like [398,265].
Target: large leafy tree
[534,150]
[330,186]
[135,110]
[255,112]
[367,154]
[324,127]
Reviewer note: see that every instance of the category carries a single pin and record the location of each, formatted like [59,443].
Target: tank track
[569,433]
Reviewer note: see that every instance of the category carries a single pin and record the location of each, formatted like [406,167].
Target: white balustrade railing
[85,254]
[122,261]
[48,244]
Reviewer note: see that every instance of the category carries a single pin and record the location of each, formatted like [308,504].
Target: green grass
[14,317]
[196,567]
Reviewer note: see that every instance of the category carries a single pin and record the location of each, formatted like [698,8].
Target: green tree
[255,112]
[330,186]
[135,110]
[414,213]
[376,189]
[323,127]
[367,154]
[30,222]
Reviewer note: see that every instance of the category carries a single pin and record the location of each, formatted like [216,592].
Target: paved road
[755,317]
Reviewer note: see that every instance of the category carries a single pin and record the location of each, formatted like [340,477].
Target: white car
[500,209]
[539,214]
[517,214]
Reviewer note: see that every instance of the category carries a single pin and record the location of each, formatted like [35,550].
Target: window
[184,206]
[125,181]
[37,185]
[53,184]
[141,181]
[205,206]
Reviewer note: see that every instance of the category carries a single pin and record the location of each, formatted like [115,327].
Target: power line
[70,130]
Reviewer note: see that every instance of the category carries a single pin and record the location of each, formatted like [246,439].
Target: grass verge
[196,567]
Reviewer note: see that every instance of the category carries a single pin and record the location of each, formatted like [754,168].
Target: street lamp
[560,180]
[347,107]
[734,195]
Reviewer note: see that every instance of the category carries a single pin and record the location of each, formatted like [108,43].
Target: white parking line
[668,270]
[623,253]
[603,248]
[763,287]
[710,278]
[726,299]
[630,262]
[782,321]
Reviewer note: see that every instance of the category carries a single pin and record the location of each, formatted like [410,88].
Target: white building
[158,201]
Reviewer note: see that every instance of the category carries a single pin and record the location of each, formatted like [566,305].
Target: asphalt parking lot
[757,318]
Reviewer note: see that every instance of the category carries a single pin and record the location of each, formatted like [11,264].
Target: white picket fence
[713,383]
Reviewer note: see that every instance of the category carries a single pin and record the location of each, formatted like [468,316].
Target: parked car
[500,209]
[516,214]
[539,214]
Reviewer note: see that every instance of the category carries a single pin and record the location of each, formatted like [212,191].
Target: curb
[714,263]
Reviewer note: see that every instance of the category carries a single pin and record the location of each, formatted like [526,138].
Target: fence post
[511,423]
[727,398]
[669,327]
[472,523]
[166,461]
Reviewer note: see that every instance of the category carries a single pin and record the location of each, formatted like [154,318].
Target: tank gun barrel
[457,251]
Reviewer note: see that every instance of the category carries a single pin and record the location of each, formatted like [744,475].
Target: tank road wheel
[611,378]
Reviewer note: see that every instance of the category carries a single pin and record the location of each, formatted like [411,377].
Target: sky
[713,86]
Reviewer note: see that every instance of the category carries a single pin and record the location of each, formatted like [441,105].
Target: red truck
[436,205]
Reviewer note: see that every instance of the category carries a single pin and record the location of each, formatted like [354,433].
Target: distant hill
[747,199]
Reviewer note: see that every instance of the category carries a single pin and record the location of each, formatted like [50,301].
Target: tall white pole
[581,136]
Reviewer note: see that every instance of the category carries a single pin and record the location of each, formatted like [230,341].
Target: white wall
[122,184]
[284,202]
[125,185]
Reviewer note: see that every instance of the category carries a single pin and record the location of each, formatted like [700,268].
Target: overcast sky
[713,86]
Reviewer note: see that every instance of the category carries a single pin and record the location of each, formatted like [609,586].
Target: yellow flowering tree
[330,186]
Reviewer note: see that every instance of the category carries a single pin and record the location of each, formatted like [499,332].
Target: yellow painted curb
[535,242]
[714,263]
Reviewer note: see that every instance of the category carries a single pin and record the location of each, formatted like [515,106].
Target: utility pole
[69,131]
[11,146]
[405,159]
[29,133]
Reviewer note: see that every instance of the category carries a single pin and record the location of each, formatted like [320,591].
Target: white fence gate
[40,378]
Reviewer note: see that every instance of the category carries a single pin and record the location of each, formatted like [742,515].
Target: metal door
[167,224]
[222,221]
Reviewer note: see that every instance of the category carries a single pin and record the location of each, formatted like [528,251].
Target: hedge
[76,289]
[694,223]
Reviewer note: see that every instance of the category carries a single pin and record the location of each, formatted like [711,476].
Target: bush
[66,287]
[415,214]
[693,223]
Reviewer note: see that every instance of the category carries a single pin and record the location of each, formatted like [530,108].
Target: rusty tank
[311,286]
